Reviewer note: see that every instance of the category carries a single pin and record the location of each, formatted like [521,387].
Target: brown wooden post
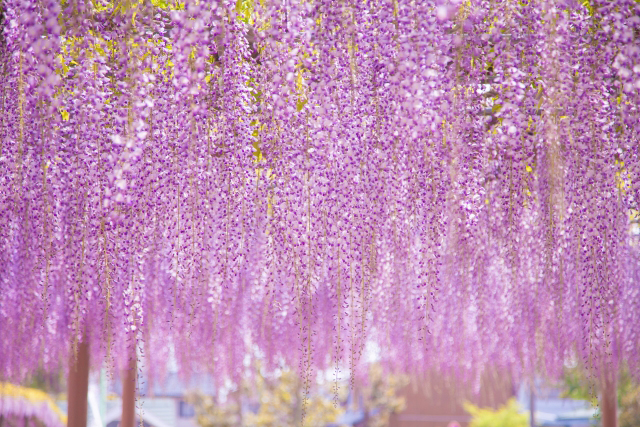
[609,401]
[78,386]
[129,393]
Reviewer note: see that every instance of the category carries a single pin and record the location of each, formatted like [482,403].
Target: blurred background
[280,398]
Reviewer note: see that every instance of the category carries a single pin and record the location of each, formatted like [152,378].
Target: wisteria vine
[454,181]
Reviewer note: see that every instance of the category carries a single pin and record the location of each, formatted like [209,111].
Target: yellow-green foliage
[630,407]
[381,395]
[579,385]
[211,414]
[34,398]
[505,416]
[281,404]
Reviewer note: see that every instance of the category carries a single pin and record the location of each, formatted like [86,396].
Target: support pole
[78,386]
[609,402]
[103,397]
[129,393]
[532,404]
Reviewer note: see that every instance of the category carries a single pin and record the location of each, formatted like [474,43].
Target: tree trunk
[78,386]
[609,402]
[129,394]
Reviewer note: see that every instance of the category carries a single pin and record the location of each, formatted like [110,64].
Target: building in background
[437,401]
[552,410]
[162,404]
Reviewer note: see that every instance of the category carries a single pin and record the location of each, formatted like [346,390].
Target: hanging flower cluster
[452,181]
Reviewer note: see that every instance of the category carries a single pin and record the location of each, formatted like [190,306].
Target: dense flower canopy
[450,182]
